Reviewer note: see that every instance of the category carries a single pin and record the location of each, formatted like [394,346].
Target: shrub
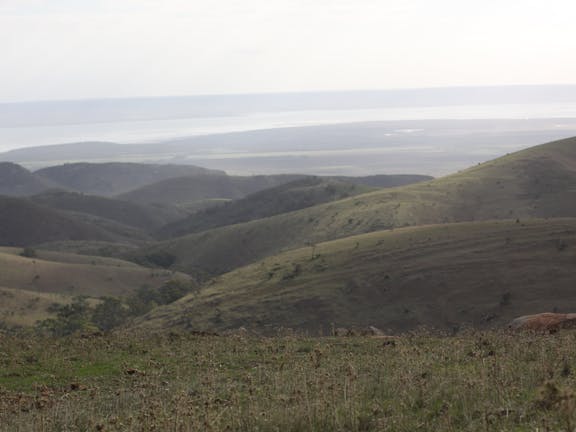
[28,252]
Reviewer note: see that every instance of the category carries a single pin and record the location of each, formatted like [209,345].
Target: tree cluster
[111,312]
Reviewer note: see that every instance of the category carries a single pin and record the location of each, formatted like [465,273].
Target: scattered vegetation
[481,274]
[503,188]
[29,252]
[474,382]
[110,312]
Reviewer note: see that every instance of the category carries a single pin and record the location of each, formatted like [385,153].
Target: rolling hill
[24,223]
[19,308]
[537,182]
[30,285]
[69,274]
[115,178]
[298,194]
[144,217]
[442,276]
[186,191]
[18,181]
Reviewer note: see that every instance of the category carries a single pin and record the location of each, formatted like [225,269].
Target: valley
[306,252]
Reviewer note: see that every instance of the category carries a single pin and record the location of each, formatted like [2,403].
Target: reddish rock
[545,322]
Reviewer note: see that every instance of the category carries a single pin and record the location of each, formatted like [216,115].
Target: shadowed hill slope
[537,182]
[285,198]
[187,190]
[115,178]
[18,181]
[444,276]
[124,212]
[24,223]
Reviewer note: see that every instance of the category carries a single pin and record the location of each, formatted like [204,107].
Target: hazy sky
[69,49]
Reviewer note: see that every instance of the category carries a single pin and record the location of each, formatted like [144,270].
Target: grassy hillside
[18,181]
[89,247]
[285,198]
[31,287]
[68,274]
[115,178]
[538,182]
[139,216]
[444,276]
[384,180]
[20,308]
[186,191]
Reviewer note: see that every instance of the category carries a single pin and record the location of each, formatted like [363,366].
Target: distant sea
[156,130]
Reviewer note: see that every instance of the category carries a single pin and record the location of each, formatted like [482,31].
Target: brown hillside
[74,275]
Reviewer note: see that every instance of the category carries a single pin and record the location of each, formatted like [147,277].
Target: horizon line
[286,93]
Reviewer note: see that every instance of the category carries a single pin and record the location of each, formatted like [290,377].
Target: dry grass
[69,274]
[30,287]
[24,308]
[481,274]
[472,382]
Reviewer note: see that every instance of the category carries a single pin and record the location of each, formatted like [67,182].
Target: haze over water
[153,130]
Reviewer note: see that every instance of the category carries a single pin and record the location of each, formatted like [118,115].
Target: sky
[75,49]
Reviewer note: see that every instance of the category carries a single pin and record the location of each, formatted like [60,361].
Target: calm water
[157,130]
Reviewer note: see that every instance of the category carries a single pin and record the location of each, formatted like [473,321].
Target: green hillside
[285,198]
[445,276]
[537,182]
[384,180]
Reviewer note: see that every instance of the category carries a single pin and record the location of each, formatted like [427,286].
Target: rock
[544,322]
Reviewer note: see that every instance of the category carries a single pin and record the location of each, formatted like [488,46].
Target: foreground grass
[477,381]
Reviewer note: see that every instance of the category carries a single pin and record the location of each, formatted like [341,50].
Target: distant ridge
[131,214]
[148,108]
[114,178]
[189,189]
[18,181]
